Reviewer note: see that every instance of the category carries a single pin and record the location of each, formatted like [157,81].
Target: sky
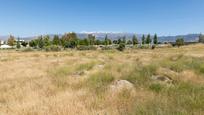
[164,17]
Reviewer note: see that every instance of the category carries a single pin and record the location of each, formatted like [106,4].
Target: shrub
[121,47]
[52,48]
[153,46]
[106,48]
[86,48]
[28,49]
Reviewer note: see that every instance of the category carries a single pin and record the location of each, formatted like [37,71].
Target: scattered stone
[162,79]
[99,66]
[167,72]
[78,73]
[120,85]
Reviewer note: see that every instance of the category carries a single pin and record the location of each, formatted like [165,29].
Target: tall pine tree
[143,39]
[155,39]
[148,39]
[134,40]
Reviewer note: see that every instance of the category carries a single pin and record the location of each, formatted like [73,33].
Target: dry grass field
[163,81]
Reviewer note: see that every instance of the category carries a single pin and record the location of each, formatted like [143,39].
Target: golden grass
[61,83]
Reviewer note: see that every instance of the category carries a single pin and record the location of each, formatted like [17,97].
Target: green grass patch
[98,82]
[156,87]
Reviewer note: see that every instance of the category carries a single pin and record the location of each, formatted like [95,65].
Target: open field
[163,81]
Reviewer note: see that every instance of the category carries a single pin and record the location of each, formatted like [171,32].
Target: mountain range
[115,36]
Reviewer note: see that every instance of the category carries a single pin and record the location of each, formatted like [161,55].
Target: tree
[201,38]
[46,40]
[119,41]
[121,47]
[18,44]
[69,40]
[115,41]
[124,39]
[41,42]
[91,39]
[56,40]
[129,42]
[98,42]
[155,40]
[143,39]
[24,44]
[148,39]
[11,40]
[179,42]
[33,43]
[109,41]
[106,42]
[134,40]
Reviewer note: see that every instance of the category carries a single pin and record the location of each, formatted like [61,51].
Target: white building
[5,47]
[1,42]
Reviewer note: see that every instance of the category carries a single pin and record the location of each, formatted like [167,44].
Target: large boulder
[121,85]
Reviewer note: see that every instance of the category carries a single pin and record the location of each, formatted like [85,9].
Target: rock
[78,73]
[162,79]
[99,66]
[167,72]
[120,85]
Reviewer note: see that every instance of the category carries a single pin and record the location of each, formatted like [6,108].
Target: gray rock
[162,79]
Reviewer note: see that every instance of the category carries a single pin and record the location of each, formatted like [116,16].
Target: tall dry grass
[78,82]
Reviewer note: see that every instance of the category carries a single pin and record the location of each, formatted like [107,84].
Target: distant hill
[115,36]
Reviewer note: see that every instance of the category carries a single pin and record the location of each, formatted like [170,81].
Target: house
[5,47]
[1,42]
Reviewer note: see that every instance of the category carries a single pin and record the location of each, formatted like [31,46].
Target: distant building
[2,42]
[5,47]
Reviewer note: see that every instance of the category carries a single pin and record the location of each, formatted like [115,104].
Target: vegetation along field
[163,81]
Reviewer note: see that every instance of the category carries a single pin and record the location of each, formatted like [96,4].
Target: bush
[52,48]
[153,46]
[121,47]
[28,49]
[106,48]
[86,48]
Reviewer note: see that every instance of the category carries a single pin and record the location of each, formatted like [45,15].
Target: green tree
[69,40]
[33,43]
[46,40]
[121,47]
[119,41]
[11,40]
[179,42]
[115,41]
[98,42]
[201,38]
[106,41]
[56,40]
[143,39]
[155,39]
[124,39]
[91,39]
[129,42]
[40,42]
[148,39]
[109,41]
[134,40]
[24,44]
[18,46]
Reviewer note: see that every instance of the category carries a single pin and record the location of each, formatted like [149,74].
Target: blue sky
[164,17]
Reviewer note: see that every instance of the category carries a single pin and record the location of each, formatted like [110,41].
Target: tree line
[71,40]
